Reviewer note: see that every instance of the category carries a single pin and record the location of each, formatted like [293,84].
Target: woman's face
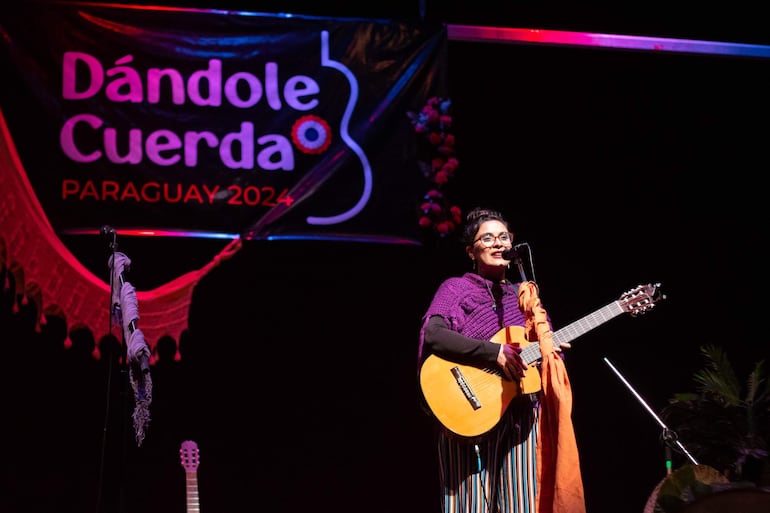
[489,258]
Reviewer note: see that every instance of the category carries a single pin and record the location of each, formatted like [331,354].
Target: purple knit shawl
[466,305]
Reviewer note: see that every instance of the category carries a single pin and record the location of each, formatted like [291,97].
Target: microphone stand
[516,251]
[520,265]
[668,436]
[134,363]
[105,497]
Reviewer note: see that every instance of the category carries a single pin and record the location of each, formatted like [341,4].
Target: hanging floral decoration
[437,160]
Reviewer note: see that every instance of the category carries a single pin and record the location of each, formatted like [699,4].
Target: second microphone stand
[668,436]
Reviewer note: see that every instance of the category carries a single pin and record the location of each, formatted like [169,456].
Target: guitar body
[469,401]
[479,397]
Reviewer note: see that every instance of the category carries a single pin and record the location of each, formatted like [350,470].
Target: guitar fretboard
[531,353]
[191,486]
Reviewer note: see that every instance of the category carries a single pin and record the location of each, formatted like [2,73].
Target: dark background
[297,375]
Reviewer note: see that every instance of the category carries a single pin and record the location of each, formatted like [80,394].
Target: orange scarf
[560,483]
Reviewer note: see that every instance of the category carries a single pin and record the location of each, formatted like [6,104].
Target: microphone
[110,235]
[513,253]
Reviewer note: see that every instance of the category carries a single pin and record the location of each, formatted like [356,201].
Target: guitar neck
[531,353]
[191,486]
[587,323]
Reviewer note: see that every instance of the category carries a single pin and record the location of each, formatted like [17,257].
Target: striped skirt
[496,473]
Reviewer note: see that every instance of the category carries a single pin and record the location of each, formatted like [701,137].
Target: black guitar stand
[668,436]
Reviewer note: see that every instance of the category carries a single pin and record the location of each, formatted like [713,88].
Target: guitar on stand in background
[190,457]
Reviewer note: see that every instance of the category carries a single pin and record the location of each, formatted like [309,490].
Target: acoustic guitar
[469,401]
[190,457]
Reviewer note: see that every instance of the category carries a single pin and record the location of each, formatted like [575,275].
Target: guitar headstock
[189,455]
[641,299]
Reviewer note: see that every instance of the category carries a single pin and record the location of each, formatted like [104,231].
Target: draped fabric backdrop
[203,123]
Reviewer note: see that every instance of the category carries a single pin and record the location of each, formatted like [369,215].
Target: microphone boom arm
[668,436]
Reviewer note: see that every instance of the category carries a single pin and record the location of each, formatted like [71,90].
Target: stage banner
[199,122]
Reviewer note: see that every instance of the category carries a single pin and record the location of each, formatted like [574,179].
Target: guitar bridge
[466,389]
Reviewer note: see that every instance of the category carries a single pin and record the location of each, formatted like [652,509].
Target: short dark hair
[475,218]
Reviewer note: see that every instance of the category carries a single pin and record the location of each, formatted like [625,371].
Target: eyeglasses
[488,240]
